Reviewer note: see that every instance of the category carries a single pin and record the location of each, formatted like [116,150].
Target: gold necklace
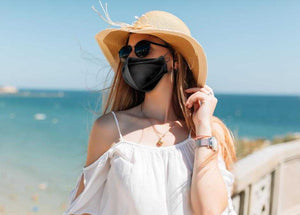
[159,142]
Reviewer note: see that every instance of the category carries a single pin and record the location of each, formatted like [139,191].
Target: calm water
[53,149]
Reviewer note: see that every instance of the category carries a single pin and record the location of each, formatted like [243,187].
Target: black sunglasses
[141,49]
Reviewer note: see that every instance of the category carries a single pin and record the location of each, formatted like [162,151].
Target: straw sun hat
[160,24]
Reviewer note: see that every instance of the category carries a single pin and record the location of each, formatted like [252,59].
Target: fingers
[199,94]
[194,98]
[209,89]
[204,90]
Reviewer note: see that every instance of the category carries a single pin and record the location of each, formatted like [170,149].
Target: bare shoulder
[103,135]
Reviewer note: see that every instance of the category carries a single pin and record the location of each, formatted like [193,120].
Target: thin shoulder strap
[116,120]
[190,134]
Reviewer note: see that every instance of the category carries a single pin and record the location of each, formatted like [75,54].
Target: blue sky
[251,46]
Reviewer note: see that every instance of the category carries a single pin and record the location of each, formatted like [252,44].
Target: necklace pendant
[160,142]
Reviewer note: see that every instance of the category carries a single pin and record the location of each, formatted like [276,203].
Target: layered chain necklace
[160,141]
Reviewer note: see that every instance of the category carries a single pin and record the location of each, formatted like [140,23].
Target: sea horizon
[91,90]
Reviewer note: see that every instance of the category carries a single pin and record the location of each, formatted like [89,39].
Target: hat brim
[111,40]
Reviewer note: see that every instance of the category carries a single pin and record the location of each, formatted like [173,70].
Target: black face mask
[144,74]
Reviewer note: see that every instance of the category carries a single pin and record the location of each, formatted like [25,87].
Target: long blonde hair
[122,97]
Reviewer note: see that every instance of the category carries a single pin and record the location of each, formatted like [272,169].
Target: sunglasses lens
[124,53]
[142,48]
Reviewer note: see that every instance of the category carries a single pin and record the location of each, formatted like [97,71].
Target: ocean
[44,135]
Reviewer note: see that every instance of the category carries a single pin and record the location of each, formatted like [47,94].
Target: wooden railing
[267,182]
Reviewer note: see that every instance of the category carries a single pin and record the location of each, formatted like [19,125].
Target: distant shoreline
[246,146]
[98,90]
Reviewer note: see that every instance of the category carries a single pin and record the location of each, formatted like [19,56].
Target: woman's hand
[204,106]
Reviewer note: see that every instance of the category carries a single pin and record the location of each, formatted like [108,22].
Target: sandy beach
[24,194]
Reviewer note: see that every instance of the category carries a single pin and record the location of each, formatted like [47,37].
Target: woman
[145,155]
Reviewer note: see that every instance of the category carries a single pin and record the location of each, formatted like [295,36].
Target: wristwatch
[210,142]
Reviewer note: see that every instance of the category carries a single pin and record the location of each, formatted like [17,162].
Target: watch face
[214,143]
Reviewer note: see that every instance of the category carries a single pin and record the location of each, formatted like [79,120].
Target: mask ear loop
[174,60]
[173,55]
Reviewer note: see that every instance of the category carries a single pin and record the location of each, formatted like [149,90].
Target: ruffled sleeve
[228,179]
[94,181]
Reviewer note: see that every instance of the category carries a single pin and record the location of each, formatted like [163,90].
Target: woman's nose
[132,54]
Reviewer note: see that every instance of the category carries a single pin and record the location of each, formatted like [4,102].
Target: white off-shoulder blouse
[136,179]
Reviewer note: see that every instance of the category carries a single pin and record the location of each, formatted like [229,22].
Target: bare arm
[100,141]
[208,189]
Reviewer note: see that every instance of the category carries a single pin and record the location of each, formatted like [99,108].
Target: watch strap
[209,142]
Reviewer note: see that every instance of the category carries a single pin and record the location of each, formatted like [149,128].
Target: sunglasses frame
[124,57]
